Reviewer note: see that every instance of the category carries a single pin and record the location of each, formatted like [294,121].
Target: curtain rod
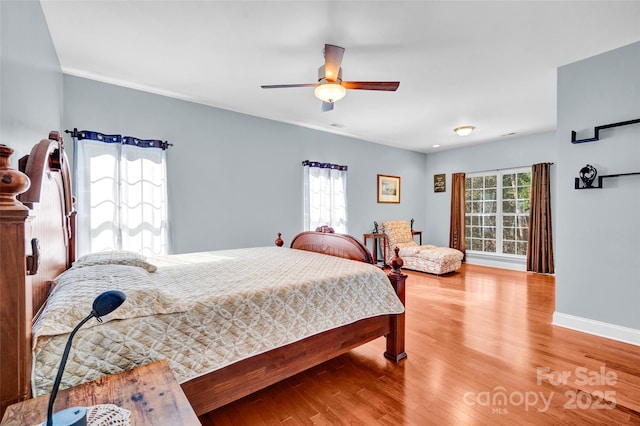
[506,168]
[76,134]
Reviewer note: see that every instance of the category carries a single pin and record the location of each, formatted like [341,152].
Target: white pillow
[75,289]
[115,257]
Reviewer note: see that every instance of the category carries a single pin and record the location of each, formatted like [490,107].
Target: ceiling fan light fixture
[330,92]
[464,130]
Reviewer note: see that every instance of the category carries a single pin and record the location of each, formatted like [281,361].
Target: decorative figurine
[375,227]
[588,175]
[411,224]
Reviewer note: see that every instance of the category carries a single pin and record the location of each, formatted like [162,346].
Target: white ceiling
[488,64]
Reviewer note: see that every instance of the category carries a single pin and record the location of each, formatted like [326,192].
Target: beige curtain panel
[540,241]
[456,227]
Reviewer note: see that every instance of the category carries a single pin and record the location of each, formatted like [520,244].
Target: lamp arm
[63,363]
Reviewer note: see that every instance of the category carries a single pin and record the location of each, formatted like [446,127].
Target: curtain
[457,222]
[121,194]
[325,196]
[540,242]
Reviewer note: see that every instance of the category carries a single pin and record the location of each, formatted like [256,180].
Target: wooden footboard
[339,245]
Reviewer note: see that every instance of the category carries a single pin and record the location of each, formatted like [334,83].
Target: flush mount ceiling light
[464,130]
[330,92]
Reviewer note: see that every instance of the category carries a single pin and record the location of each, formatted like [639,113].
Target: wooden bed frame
[37,243]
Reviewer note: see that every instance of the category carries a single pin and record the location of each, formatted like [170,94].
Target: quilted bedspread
[201,311]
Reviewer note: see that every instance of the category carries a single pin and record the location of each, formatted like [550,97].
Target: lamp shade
[107,302]
[330,92]
[464,130]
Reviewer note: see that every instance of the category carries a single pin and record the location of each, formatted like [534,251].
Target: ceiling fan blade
[327,106]
[332,60]
[282,86]
[390,86]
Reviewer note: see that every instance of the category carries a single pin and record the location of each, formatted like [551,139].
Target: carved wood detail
[49,218]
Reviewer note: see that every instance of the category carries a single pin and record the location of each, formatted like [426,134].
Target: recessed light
[436,146]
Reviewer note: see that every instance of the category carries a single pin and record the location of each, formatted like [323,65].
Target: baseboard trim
[598,328]
[496,262]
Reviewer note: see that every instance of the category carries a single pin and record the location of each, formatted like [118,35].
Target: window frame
[321,189]
[105,160]
[499,213]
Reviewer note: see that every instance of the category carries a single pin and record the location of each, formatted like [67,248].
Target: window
[121,194]
[325,196]
[497,212]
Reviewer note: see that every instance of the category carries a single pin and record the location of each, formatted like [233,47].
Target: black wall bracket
[599,186]
[597,131]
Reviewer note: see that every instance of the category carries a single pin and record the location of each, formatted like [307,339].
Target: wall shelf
[600,178]
[596,131]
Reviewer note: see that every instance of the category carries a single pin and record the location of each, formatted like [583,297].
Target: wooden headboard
[37,243]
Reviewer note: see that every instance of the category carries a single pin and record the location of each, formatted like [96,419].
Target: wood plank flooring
[481,350]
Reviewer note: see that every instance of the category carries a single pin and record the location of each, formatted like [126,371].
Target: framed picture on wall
[388,189]
[440,183]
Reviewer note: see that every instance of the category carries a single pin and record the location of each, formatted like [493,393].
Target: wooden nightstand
[383,239]
[150,392]
[374,251]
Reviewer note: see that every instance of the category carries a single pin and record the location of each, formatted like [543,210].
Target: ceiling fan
[330,87]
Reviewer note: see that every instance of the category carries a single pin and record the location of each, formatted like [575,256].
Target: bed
[38,246]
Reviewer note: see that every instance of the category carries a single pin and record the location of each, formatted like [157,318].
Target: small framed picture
[440,183]
[388,189]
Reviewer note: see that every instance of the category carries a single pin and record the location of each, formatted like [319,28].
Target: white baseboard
[496,262]
[598,328]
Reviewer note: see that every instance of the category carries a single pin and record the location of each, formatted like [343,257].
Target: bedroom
[599,297]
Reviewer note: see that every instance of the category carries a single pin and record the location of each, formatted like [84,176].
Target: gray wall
[598,238]
[30,77]
[509,152]
[236,180]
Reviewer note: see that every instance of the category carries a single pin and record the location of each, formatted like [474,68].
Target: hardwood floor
[481,350]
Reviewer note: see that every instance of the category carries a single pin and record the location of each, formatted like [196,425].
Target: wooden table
[150,392]
[374,251]
[418,233]
[376,237]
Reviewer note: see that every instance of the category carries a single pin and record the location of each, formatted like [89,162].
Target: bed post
[37,243]
[395,340]
[16,309]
